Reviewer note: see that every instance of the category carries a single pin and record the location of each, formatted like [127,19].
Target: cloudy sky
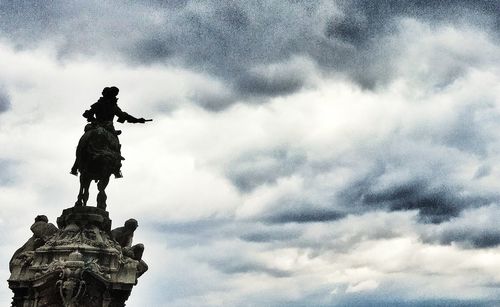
[302,153]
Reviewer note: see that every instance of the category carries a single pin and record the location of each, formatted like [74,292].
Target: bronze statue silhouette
[98,152]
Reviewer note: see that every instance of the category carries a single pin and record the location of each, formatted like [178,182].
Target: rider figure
[102,114]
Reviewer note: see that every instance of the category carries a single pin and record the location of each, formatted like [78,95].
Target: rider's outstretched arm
[124,116]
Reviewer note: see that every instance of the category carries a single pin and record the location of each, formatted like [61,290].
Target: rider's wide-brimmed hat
[110,91]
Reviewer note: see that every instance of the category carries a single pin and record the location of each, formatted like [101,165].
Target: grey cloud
[474,228]
[214,100]
[304,214]
[193,232]
[472,238]
[339,234]
[436,202]
[483,171]
[433,192]
[364,300]
[5,103]
[269,85]
[384,297]
[243,266]
[150,50]
[467,132]
[351,30]
[463,128]
[8,174]
[189,227]
[378,13]
[257,168]
[228,39]
[270,235]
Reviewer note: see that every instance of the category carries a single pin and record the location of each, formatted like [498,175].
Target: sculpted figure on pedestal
[42,231]
[124,236]
[98,153]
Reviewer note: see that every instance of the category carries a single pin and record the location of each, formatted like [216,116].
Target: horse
[97,157]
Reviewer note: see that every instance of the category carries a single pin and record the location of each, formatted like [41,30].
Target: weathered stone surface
[83,216]
[77,264]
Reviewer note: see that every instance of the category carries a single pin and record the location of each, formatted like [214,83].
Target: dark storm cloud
[436,202]
[305,214]
[229,39]
[474,238]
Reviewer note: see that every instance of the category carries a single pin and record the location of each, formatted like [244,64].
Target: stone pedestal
[75,264]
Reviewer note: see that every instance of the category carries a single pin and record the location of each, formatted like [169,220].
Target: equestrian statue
[98,154]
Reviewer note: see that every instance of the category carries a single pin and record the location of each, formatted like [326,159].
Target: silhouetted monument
[81,261]
[98,153]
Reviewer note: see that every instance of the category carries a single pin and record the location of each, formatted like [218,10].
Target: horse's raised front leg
[83,194]
[101,196]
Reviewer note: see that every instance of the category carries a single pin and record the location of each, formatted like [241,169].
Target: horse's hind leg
[79,199]
[101,196]
[86,184]
[83,194]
